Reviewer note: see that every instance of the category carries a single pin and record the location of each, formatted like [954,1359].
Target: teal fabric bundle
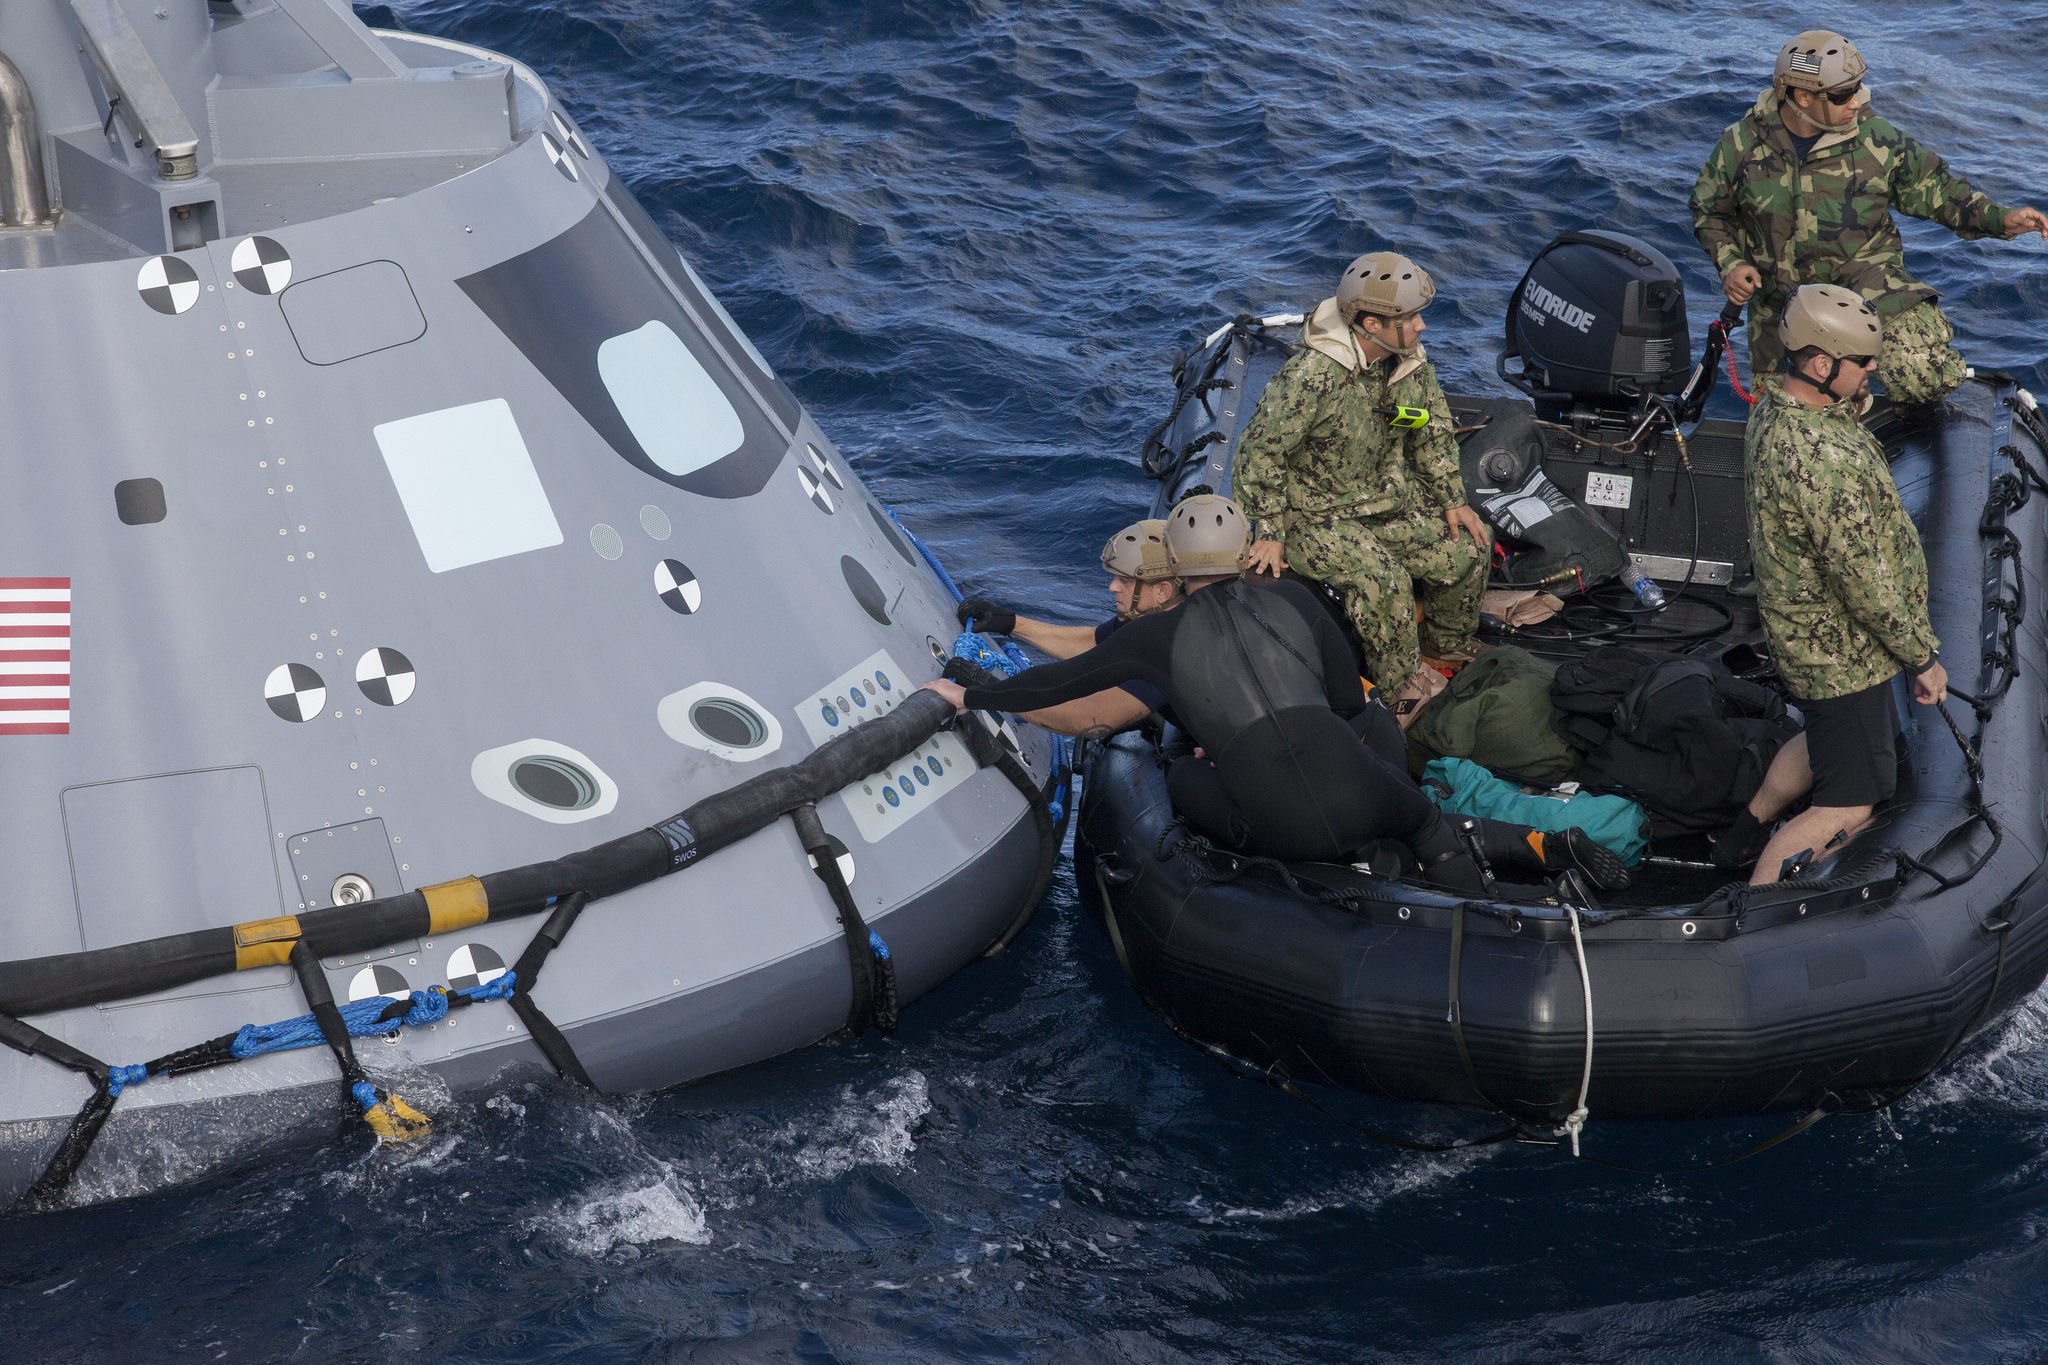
[1461,787]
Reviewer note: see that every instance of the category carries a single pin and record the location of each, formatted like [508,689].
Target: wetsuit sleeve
[1922,185]
[1138,650]
[1434,449]
[1717,206]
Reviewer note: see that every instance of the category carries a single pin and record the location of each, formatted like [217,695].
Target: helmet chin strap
[1403,352]
[1179,590]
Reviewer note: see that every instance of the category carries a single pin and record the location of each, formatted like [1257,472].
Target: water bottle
[1643,586]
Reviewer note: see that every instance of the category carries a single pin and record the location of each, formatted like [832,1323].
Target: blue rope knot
[875,945]
[497,988]
[119,1078]
[427,1007]
[366,1095]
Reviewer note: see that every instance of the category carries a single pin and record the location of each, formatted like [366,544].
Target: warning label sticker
[1609,490]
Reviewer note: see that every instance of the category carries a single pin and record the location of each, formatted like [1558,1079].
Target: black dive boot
[1737,847]
[1447,858]
[1548,853]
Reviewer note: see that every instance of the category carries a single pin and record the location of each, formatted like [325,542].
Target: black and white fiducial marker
[261,266]
[569,135]
[385,675]
[378,980]
[295,692]
[678,586]
[815,490]
[473,965]
[558,156]
[825,466]
[167,284]
[840,855]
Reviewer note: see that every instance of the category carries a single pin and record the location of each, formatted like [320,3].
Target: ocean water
[970,234]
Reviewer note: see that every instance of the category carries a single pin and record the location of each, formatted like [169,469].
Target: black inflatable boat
[1834,991]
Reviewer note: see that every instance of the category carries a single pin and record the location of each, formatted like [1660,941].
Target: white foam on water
[1367,1193]
[662,1211]
[873,1130]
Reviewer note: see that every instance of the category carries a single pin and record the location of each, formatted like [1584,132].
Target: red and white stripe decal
[35,656]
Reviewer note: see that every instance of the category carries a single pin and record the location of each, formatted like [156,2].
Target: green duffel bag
[1616,823]
[1496,712]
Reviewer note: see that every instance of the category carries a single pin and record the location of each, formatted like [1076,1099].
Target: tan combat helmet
[1834,320]
[1139,551]
[1817,60]
[1207,537]
[1385,284]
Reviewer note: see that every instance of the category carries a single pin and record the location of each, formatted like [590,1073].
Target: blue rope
[119,1078]
[879,948]
[365,1093]
[363,1018]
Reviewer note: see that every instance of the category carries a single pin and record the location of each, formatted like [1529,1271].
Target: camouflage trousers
[1377,567]
[1917,364]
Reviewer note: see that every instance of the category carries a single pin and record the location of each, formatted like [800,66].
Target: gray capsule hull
[443,525]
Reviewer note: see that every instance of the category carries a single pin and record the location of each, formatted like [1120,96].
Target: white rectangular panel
[882,803]
[468,485]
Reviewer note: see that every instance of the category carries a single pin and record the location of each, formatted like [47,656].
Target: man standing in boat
[1801,191]
[1841,583]
[1349,472]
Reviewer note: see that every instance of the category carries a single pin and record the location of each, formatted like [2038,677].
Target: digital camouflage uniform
[1827,220]
[1359,504]
[1841,580]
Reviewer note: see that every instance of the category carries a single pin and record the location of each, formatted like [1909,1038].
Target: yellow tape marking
[265,942]
[456,905]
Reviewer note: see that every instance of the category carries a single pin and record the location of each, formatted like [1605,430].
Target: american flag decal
[35,656]
[1806,63]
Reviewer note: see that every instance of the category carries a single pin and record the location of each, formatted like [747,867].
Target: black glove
[988,618]
[967,673]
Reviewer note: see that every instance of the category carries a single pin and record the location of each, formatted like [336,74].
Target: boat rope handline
[1575,1122]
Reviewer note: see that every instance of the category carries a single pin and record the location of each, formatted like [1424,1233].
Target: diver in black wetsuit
[1263,679]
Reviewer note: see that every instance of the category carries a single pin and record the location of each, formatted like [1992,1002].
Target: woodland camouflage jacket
[1841,579]
[1827,219]
[1319,447]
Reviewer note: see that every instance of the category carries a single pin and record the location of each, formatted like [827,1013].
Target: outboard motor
[1599,324]
[1551,541]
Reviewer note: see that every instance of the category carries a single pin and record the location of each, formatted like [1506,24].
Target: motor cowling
[1597,323]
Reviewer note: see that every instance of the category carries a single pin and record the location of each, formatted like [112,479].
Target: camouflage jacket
[1841,580]
[1319,447]
[1827,219]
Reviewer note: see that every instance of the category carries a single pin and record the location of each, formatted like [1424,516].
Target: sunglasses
[1839,98]
[1866,361]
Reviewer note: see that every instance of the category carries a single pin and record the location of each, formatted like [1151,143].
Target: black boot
[1737,847]
[1545,853]
[1447,859]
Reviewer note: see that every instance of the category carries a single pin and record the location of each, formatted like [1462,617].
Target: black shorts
[1852,743]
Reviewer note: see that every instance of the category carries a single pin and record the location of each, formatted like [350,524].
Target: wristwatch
[1932,659]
